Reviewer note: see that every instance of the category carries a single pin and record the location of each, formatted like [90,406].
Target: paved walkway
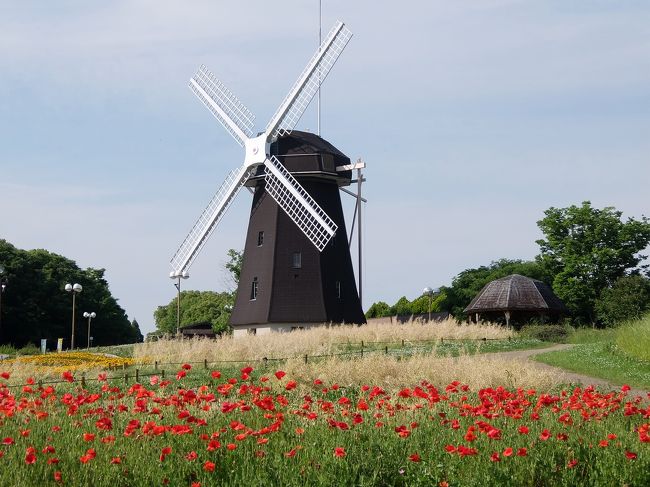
[574,377]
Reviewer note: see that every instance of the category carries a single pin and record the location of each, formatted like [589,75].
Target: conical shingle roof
[516,293]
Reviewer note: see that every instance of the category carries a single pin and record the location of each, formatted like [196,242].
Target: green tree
[137,334]
[36,306]
[420,305]
[233,265]
[196,307]
[468,283]
[586,250]
[401,307]
[627,299]
[378,310]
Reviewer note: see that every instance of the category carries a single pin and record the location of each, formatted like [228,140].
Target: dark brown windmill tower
[286,282]
[297,269]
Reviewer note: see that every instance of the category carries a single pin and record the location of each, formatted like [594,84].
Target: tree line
[35,304]
[590,257]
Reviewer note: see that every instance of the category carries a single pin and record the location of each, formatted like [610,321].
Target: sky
[473,117]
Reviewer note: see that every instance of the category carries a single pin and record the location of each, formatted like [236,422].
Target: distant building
[517,299]
[202,329]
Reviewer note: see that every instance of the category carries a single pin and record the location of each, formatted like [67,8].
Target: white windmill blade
[203,227]
[226,107]
[298,204]
[302,92]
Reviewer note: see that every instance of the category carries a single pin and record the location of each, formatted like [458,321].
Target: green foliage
[35,304]
[633,339]
[404,307]
[546,333]
[468,283]
[587,250]
[196,307]
[627,299]
[234,263]
[401,307]
[378,310]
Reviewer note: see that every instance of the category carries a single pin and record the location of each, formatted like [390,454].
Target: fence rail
[137,373]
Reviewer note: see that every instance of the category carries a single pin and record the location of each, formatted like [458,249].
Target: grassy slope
[594,353]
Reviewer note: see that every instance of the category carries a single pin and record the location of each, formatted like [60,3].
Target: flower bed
[205,427]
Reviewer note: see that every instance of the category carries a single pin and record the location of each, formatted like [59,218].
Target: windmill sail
[296,202]
[203,227]
[303,90]
[226,107]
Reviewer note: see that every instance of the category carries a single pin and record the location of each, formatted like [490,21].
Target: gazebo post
[507,313]
[477,317]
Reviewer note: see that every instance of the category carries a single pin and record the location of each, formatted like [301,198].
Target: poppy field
[203,427]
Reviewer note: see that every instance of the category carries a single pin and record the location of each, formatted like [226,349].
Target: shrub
[627,299]
[546,333]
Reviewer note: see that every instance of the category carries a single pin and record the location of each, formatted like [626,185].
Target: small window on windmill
[338,289]
[296,260]
[260,239]
[254,289]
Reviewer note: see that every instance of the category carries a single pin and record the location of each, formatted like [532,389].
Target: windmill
[274,160]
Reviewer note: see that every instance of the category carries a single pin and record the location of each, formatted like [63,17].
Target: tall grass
[478,371]
[634,338]
[323,340]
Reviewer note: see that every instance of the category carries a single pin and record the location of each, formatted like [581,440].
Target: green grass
[600,359]
[592,335]
[634,339]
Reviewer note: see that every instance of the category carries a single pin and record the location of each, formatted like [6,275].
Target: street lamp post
[3,286]
[90,316]
[74,288]
[178,276]
[430,292]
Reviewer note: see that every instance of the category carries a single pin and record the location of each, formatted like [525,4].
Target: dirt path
[574,377]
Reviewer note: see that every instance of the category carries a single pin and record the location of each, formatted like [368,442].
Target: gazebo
[518,298]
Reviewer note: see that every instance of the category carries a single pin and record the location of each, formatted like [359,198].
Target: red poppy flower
[67,376]
[545,435]
[507,452]
[415,457]
[611,436]
[339,452]
[30,381]
[495,457]
[30,458]
[101,377]
[291,453]
[291,385]
[630,455]
[181,374]
[186,366]
[5,375]
[625,388]
[572,463]
[522,452]
[57,476]
[215,374]
[8,441]
[116,460]
[231,446]
[208,466]
[52,461]
[280,374]
[523,430]
[89,437]
[191,456]
[25,433]
[196,484]
[603,443]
